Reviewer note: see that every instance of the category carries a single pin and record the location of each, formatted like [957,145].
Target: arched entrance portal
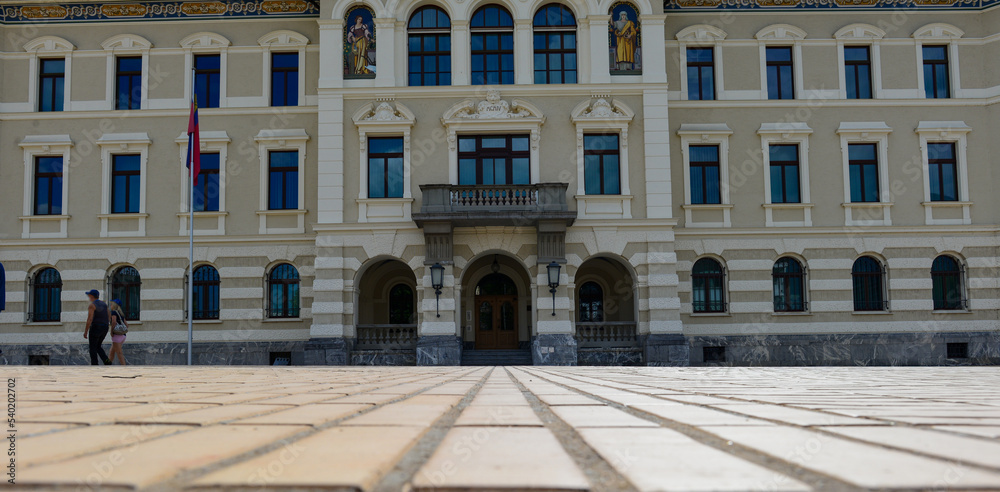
[495,308]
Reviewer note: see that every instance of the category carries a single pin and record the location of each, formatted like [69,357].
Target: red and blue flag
[194,142]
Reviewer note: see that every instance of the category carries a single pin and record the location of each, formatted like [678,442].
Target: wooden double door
[496,322]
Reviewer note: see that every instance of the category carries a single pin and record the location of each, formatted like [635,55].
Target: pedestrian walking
[97,327]
[119,328]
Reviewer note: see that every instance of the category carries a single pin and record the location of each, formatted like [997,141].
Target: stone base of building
[663,349]
[164,354]
[867,349]
[609,357]
[440,350]
[553,350]
[328,351]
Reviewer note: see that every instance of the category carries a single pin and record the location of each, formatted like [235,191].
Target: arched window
[492,46]
[946,274]
[591,303]
[46,296]
[206,292]
[555,45]
[283,292]
[401,304]
[429,41]
[708,287]
[869,285]
[125,286]
[789,285]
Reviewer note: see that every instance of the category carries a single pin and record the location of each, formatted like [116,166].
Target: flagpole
[190,303]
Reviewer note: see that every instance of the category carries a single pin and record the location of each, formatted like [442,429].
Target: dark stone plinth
[327,352]
[856,349]
[439,350]
[609,357]
[554,350]
[665,349]
[234,353]
[383,358]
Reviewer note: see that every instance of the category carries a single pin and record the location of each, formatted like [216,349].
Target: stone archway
[496,304]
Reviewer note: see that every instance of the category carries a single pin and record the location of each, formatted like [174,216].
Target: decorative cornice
[786,5]
[154,10]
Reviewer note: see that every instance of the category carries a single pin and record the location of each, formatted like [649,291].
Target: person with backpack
[119,328]
[96,327]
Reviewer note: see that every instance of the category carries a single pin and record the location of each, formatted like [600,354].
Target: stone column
[600,46]
[554,343]
[460,52]
[524,66]
[439,342]
[327,343]
[660,328]
[385,61]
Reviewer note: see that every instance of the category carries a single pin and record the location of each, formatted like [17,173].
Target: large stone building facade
[494,181]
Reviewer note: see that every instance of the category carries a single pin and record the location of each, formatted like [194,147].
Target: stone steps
[518,357]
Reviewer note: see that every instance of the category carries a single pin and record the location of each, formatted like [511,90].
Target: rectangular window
[494,160]
[601,165]
[48,186]
[936,80]
[700,74]
[206,192]
[779,73]
[385,167]
[207,80]
[492,58]
[284,79]
[555,55]
[283,176]
[784,173]
[858,72]
[429,57]
[128,71]
[863,162]
[125,174]
[705,177]
[51,78]
[942,170]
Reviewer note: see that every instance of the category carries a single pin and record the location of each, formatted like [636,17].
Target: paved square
[515,428]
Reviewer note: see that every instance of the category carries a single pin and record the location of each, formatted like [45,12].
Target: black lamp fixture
[553,270]
[495,267]
[437,281]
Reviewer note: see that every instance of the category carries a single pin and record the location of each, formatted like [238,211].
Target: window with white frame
[603,189]
[785,149]
[282,177]
[705,151]
[210,191]
[124,158]
[50,65]
[860,61]
[943,147]
[127,72]
[937,58]
[206,53]
[701,60]
[45,213]
[284,65]
[864,150]
[781,61]
[384,193]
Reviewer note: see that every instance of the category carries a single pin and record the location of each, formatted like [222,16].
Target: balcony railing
[397,337]
[607,334]
[493,204]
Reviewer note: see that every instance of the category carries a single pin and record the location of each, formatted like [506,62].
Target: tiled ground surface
[535,428]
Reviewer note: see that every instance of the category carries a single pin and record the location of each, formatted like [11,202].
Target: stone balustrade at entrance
[607,334]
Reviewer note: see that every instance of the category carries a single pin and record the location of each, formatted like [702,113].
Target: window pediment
[702,33]
[205,40]
[493,108]
[50,44]
[780,32]
[283,38]
[860,31]
[384,114]
[127,42]
[600,110]
[938,30]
